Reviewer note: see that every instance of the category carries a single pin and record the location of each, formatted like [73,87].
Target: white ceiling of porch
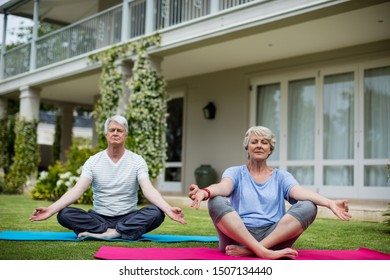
[343,30]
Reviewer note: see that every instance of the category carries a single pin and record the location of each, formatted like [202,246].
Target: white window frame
[369,192]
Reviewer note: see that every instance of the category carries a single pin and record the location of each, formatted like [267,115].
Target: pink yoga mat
[121,253]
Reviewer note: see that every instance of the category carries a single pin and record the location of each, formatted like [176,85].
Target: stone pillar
[29,103]
[66,111]
[124,67]
[155,62]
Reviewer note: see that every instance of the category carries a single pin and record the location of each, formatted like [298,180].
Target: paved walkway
[361,210]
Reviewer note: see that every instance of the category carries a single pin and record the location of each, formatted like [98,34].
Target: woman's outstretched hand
[340,209]
[196,196]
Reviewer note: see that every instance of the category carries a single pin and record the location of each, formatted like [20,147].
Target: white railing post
[33,53]
[125,21]
[149,19]
[3,46]
[214,6]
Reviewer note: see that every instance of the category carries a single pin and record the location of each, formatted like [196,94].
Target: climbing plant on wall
[26,159]
[3,142]
[7,135]
[147,113]
[146,110]
[110,86]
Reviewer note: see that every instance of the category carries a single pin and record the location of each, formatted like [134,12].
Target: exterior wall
[219,142]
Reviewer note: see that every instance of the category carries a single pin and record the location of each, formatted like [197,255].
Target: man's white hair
[119,119]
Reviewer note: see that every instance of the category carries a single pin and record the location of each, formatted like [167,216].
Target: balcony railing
[117,24]
[17,61]
[101,30]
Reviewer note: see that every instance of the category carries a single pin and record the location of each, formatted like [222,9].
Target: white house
[317,72]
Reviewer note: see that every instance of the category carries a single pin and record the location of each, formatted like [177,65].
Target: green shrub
[46,187]
[60,177]
[77,157]
[387,214]
[3,142]
[26,158]
[1,183]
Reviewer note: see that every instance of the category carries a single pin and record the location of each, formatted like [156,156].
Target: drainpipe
[33,54]
[3,45]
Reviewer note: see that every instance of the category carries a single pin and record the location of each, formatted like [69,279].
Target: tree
[23,33]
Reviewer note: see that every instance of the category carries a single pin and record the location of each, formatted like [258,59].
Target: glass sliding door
[338,129]
[376,126]
[301,129]
[301,120]
[268,112]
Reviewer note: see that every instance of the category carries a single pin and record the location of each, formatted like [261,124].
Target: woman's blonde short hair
[260,131]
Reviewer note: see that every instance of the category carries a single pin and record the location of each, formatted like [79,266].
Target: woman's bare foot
[284,253]
[109,234]
[238,251]
[241,251]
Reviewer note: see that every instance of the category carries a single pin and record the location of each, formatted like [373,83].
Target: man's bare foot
[241,251]
[109,234]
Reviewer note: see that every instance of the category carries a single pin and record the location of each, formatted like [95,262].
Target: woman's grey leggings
[304,211]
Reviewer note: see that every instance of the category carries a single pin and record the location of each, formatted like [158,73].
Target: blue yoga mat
[71,236]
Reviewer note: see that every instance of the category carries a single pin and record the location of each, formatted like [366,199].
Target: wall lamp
[209,111]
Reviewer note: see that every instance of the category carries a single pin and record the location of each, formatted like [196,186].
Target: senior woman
[247,206]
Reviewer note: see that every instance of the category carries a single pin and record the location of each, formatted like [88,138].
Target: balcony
[118,24]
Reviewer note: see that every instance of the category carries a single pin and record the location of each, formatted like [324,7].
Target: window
[332,127]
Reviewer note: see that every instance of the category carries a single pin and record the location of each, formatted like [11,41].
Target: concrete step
[361,210]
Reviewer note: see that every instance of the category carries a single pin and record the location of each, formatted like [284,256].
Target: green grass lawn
[322,234]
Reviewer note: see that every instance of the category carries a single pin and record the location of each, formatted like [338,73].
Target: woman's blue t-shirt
[259,205]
